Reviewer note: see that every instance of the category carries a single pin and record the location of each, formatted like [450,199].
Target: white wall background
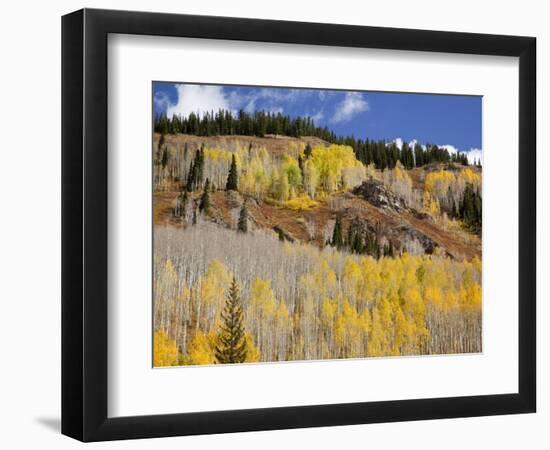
[30,222]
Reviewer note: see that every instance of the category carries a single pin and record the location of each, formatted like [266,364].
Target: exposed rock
[378,195]
[234,199]
[406,233]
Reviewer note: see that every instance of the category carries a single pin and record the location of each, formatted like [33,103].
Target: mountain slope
[370,207]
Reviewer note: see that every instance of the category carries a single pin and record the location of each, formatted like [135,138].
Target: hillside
[371,206]
[329,257]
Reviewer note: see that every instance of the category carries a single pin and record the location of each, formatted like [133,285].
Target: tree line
[224,123]
[261,123]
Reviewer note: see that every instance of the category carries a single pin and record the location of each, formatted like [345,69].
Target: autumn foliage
[306,303]
[239,293]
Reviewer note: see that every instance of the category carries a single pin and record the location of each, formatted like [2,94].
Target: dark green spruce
[233,177]
[242,225]
[204,204]
[337,235]
[231,340]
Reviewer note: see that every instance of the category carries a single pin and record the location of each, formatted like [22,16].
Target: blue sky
[452,120]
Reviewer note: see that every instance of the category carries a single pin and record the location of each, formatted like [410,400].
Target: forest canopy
[262,123]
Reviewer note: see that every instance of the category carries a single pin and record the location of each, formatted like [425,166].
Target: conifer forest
[278,240]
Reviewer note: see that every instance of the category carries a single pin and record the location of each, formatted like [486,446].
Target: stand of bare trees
[301,302]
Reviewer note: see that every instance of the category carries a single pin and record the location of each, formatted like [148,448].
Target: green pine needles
[242,225]
[233,177]
[231,346]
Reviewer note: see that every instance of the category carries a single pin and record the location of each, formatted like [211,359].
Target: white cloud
[352,104]
[317,117]
[275,110]
[161,100]
[202,99]
[198,99]
[413,143]
[450,148]
[474,155]
[398,142]
[250,106]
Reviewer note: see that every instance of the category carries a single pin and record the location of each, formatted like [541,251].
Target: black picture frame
[84,224]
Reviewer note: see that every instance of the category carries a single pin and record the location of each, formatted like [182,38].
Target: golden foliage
[304,202]
[165,350]
[348,307]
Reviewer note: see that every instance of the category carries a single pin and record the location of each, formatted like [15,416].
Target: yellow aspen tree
[201,348]
[213,289]
[402,333]
[165,350]
[379,339]
[252,352]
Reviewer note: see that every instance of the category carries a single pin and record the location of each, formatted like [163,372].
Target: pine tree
[471,209]
[358,246]
[190,178]
[204,204]
[242,225]
[232,178]
[301,165]
[231,342]
[337,238]
[164,161]
[181,204]
[307,151]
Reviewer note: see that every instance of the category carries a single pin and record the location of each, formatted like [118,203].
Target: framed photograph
[273,225]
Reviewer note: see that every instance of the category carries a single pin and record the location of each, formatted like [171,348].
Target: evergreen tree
[358,246]
[231,340]
[191,178]
[307,151]
[159,148]
[242,225]
[164,161]
[204,204]
[471,209]
[301,165]
[181,205]
[337,238]
[369,244]
[232,178]
[260,123]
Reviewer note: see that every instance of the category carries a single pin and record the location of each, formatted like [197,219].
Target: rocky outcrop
[377,194]
[402,235]
[406,233]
